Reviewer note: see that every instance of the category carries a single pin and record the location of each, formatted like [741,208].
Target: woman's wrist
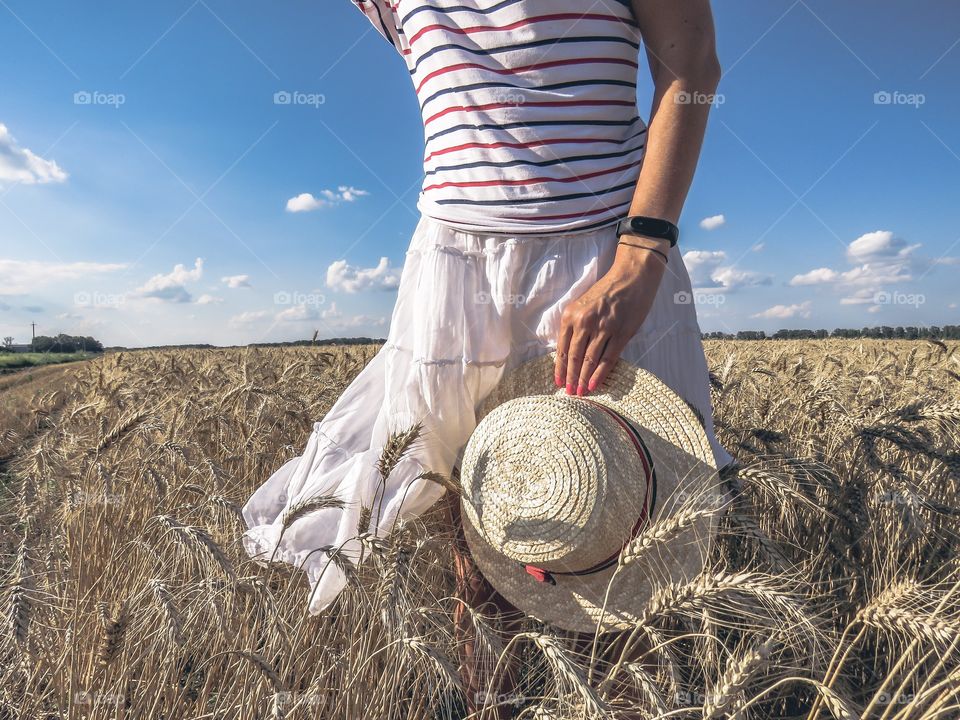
[636,266]
[640,245]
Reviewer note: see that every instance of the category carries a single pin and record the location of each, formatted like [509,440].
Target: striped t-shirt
[529,109]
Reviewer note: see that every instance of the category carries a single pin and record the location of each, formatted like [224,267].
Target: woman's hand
[596,326]
[681,50]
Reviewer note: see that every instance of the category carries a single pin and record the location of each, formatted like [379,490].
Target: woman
[534,151]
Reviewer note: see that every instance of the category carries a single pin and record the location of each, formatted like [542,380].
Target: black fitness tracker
[649,227]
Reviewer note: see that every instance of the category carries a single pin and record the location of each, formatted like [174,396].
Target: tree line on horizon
[880,332]
[60,343]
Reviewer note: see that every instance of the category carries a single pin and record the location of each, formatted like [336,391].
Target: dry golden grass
[26,398]
[833,591]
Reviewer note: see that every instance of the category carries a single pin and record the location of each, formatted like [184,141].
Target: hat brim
[686,482]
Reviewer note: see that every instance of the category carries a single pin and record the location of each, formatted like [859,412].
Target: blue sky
[146,170]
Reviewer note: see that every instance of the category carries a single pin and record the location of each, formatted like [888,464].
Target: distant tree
[63,343]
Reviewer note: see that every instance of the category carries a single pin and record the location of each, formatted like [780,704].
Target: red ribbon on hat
[546,576]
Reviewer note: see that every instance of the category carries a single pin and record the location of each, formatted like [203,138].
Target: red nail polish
[591,386]
[569,388]
[558,380]
[579,389]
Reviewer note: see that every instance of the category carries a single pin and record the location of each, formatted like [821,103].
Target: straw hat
[562,494]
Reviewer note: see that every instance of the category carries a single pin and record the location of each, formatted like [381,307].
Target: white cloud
[329,318]
[170,287]
[298,313]
[879,259]
[21,165]
[351,279]
[248,318]
[209,300]
[18,277]
[708,272]
[236,281]
[782,312]
[306,202]
[713,222]
[815,277]
[758,247]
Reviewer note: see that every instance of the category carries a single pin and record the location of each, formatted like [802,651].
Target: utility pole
[33,335]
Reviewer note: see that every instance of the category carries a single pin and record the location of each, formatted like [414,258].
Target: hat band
[546,576]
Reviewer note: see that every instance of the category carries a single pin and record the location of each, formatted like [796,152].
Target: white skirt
[469,307]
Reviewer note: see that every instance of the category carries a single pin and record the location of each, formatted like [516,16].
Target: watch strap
[649,227]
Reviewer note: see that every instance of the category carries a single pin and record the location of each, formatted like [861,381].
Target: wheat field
[833,589]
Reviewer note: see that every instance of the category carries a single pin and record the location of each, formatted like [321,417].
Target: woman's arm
[681,51]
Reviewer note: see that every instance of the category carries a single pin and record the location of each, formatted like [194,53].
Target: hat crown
[554,481]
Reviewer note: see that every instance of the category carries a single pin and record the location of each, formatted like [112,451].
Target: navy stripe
[386,32]
[540,200]
[555,86]
[521,46]
[542,163]
[492,9]
[611,221]
[460,8]
[536,123]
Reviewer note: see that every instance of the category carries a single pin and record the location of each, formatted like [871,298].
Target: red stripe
[552,103]
[536,143]
[530,181]
[522,68]
[513,25]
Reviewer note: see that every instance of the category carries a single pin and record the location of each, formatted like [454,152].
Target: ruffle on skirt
[469,307]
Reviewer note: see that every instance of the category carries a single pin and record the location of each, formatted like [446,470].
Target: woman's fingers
[591,360]
[578,346]
[607,360]
[563,349]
